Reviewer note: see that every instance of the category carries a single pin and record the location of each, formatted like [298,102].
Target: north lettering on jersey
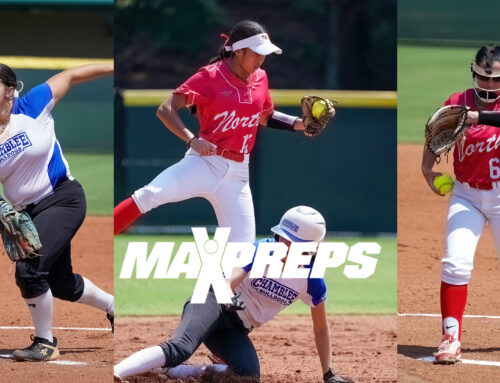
[468,149]
[211,261]
[14,145]
[475,155]
[230,121]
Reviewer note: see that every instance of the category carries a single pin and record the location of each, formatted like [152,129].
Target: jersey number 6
[494,170]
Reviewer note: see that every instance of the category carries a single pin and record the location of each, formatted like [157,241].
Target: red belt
[230,155]
[482,186]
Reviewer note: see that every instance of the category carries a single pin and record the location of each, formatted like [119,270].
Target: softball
[318,109]
[443,183]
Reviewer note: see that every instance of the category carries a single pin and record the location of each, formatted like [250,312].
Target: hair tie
[227,48]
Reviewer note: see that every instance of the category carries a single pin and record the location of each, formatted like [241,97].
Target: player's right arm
[322,335]
[63,81]
[427,165]
[168,113]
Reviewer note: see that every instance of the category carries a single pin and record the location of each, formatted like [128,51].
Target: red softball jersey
[476,157]
[228,108]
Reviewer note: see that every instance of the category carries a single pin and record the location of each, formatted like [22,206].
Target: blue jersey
[266,297]
[31,159]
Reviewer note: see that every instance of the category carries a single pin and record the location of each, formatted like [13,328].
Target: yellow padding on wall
[47,63]
[281,97]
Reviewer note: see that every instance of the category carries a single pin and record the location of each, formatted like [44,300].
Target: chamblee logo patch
[13,146]
[275,290]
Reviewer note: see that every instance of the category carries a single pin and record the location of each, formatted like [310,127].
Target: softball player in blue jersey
[36,179]
[224,329]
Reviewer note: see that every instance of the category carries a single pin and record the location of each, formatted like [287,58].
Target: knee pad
[31,284]
[176,352]
[67,289]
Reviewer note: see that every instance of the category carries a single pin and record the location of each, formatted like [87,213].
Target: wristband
[189,142]
[281,121]
[489,118]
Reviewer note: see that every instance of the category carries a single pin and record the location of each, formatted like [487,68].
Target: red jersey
[228,108]
[476,157]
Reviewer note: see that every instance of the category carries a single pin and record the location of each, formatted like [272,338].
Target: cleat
[111,319]
[450,351]
[41,350]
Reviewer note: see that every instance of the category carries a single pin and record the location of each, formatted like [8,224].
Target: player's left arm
[236,278]
[322,335]
[281,121]
[63,81]
[491,118]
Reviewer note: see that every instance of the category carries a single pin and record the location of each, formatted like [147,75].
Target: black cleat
[40,350]
[111,319]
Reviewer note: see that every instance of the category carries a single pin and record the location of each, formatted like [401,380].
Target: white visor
[258,43]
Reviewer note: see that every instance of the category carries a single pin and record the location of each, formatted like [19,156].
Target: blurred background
[43,37]
[344,48]
[437,41]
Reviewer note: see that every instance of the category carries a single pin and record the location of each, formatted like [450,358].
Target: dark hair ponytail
[240,31]
[7,76]
[488,54]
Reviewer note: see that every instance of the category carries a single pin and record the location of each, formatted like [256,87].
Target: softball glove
[19,236]
[445,128]
[236,303]
[316,123]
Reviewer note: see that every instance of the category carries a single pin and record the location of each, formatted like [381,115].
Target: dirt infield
[421,234]
[92,255]
[363,346]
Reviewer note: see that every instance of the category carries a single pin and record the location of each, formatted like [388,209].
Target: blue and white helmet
[301,224]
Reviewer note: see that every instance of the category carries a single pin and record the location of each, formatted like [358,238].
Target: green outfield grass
[95,173]
[427,76]
[374,295]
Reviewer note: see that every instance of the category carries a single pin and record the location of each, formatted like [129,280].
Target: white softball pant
[224,183]
[468,211]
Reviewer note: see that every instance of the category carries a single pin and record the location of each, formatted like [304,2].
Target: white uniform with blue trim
[266,297]
[31,159]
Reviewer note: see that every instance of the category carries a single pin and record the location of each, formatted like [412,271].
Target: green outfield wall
[84,118]
[348,173]
[448,22]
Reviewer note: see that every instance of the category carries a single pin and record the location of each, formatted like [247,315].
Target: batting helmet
[301,224]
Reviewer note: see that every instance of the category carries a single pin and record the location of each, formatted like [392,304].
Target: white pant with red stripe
[469,209]
[224,183]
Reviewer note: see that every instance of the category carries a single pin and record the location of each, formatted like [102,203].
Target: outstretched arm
[281,121]
[61,82]
[322,336]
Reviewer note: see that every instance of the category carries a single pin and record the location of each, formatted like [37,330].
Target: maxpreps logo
[210,259]
[13,146]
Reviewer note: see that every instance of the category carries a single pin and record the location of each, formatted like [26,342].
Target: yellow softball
[443,183]
[319,109]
